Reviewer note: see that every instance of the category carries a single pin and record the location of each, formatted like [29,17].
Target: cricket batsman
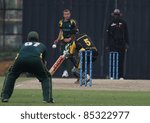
[31,58]
[80,43]
[68,28]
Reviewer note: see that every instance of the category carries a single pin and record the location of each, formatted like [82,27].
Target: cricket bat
[57,64]
[59,61]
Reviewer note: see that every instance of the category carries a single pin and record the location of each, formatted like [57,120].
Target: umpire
[31,58]
[117,39]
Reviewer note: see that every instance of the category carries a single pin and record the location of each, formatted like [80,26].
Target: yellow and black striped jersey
[81,42]
[69,27]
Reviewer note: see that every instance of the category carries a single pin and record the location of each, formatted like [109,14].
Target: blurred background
[10,24]
[18,17]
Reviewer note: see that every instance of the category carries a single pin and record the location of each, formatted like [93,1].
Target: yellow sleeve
[60,24]
[73,22]
[60,27]
[72,48]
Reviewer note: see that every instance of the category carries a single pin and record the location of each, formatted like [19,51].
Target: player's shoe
[121,78]
[65,74]
[49,101]
[77,81]
[5,100]
[88,77]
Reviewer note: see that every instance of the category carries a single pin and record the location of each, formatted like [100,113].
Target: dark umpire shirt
[117,35]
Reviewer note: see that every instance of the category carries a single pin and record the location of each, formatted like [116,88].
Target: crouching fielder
[31,58]
[81,42]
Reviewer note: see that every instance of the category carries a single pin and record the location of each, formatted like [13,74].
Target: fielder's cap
[116,12]
[33,35]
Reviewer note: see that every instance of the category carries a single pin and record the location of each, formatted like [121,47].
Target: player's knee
[43,79]
[75,71]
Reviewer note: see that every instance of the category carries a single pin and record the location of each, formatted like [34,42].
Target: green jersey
[33,49]
[69,28]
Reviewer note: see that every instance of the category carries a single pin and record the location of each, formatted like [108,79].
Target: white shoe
[88,77]
[65,74]
[121,79]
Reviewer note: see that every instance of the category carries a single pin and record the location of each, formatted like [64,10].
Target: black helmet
[33,36]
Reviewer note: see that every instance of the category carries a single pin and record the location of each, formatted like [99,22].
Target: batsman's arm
[72,48]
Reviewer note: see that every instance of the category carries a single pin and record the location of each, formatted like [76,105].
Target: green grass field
[33,97]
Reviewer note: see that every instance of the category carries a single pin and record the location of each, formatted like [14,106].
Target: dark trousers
[76,63]
[32,65]
[94,57]
[121,64]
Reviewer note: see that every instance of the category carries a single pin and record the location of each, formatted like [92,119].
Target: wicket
[86,58]
[113,65]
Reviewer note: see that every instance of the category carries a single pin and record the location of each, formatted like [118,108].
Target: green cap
[33,36]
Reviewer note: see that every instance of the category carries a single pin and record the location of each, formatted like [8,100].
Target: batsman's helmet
[33,36]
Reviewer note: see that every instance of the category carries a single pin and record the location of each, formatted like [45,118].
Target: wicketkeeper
[31,58]
[80,43]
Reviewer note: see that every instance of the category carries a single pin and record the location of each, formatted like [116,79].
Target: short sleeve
[73,23]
